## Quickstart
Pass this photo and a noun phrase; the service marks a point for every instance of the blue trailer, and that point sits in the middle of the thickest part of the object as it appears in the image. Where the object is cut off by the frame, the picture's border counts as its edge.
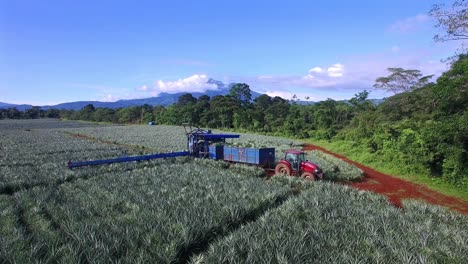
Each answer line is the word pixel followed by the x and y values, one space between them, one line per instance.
pixel 264 157
pixel 216 152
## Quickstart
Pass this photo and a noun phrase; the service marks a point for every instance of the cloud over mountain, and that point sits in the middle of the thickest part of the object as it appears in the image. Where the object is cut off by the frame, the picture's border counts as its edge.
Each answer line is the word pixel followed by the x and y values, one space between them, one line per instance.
pixel 194 83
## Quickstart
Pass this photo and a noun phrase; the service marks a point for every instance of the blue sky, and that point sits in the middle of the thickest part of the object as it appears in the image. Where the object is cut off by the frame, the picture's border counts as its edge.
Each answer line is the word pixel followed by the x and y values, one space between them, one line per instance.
pixel 60 51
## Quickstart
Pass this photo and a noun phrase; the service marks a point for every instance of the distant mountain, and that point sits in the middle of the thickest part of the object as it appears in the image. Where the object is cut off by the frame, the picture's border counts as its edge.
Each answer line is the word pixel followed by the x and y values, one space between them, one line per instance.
pixel 374 101
pixel 21 107
pixel 163 99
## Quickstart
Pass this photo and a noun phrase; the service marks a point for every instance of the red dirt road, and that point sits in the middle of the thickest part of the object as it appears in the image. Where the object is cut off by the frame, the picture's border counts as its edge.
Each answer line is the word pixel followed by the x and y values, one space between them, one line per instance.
pixel 397 189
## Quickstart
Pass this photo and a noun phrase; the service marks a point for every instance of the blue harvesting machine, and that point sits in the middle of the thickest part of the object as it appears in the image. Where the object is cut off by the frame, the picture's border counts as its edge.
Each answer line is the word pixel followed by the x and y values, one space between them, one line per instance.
pixel 198 145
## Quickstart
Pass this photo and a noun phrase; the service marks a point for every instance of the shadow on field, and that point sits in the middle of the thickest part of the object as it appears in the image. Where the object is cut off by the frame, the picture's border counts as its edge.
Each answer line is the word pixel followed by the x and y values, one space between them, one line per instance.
pixel 202 243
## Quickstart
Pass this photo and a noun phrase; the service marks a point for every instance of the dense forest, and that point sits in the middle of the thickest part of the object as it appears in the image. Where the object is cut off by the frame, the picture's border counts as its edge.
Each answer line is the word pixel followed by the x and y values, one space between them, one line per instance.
pixel 423 128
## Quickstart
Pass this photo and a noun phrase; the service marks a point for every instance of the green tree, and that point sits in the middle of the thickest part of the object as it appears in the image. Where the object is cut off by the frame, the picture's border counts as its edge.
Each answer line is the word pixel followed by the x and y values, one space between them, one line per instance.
pixel 103 114
pixel 186 99
pixel 413 105
pixel 129 115
pixel 87 112
pixel 67 114
pixel 401 80
pixel 360 102
pixel 223 109
pixel 13 113
pixel 451 90
pixel 33 112
pixel 241 93
pixel 276 115
pixel 185 107
pixel 261 104
pixel 52 113
pixel 201 110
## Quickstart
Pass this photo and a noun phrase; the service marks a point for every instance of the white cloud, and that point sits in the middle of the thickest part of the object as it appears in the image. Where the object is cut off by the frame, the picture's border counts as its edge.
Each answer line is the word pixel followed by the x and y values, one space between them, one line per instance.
pixel 282 94
pixel 280 85
pixel 336 70
pixel 109 98
pixel 143 88
pixel 120 94
pixel 316 70
pixel 343 80
pixel 194 83
pixel 409 24
pixel 265 77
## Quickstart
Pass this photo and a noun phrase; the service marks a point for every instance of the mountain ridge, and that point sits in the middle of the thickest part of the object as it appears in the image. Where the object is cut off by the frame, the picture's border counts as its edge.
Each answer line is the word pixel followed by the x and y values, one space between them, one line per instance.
pixel 163 99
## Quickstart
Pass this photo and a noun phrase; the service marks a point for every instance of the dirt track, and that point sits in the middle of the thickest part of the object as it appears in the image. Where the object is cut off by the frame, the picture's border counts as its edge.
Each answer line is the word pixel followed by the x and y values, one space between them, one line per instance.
pixel 397 189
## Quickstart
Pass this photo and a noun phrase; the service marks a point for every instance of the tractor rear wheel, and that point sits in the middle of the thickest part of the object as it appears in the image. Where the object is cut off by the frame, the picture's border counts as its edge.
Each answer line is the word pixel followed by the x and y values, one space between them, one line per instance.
pixel 282 169
pixel 308 176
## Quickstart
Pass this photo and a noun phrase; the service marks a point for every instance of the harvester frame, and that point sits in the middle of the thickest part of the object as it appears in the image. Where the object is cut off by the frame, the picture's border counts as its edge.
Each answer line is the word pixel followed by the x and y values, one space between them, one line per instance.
pixel 203 143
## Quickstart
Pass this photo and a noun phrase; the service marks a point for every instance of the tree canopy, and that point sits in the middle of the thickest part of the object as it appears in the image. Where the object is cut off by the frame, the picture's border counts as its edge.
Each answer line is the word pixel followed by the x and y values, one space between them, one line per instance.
pixel 453 21
pixel 401 80
pixel 241 93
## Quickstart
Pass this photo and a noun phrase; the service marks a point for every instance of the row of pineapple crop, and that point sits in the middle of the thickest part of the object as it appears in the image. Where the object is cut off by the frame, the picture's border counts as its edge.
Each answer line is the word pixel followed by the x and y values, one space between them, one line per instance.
pixel 31 124
pixel 331 223
pixel 163 213
pixel 154 138
pixel 155 214
pixel 334 168
pixel 39 156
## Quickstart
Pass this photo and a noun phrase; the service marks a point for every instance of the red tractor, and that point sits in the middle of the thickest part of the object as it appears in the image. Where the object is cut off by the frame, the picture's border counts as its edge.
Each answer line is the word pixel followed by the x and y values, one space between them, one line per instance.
pixel 295 164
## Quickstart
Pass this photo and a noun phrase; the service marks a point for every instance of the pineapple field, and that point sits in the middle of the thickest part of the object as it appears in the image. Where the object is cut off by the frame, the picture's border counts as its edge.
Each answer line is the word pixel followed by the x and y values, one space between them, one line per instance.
pixel 187 210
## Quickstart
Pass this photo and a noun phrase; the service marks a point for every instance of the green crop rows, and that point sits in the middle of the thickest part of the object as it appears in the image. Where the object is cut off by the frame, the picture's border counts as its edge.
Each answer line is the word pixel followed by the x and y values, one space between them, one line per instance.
pixel 183 210
pixel 154 214
pixel 154 138
pixel 330 223
pixel 39 156
pixel 334 168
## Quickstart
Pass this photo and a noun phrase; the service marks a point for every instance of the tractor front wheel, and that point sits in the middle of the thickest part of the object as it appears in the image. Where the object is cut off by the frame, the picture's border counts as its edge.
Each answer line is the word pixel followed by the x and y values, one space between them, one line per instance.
pixel 308 176
pixel 282 169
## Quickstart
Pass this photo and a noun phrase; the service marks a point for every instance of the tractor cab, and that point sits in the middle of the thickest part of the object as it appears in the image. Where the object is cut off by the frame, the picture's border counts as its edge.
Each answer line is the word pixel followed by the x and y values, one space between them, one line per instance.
pixel 295 164
pixel 295 158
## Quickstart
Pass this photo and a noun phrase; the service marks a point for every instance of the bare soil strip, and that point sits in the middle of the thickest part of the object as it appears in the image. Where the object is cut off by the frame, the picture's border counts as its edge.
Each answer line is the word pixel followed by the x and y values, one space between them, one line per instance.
pixel 397 189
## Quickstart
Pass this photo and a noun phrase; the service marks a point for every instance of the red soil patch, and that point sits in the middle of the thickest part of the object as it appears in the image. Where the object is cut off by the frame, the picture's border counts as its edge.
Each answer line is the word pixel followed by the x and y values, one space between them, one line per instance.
pixel 397 189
